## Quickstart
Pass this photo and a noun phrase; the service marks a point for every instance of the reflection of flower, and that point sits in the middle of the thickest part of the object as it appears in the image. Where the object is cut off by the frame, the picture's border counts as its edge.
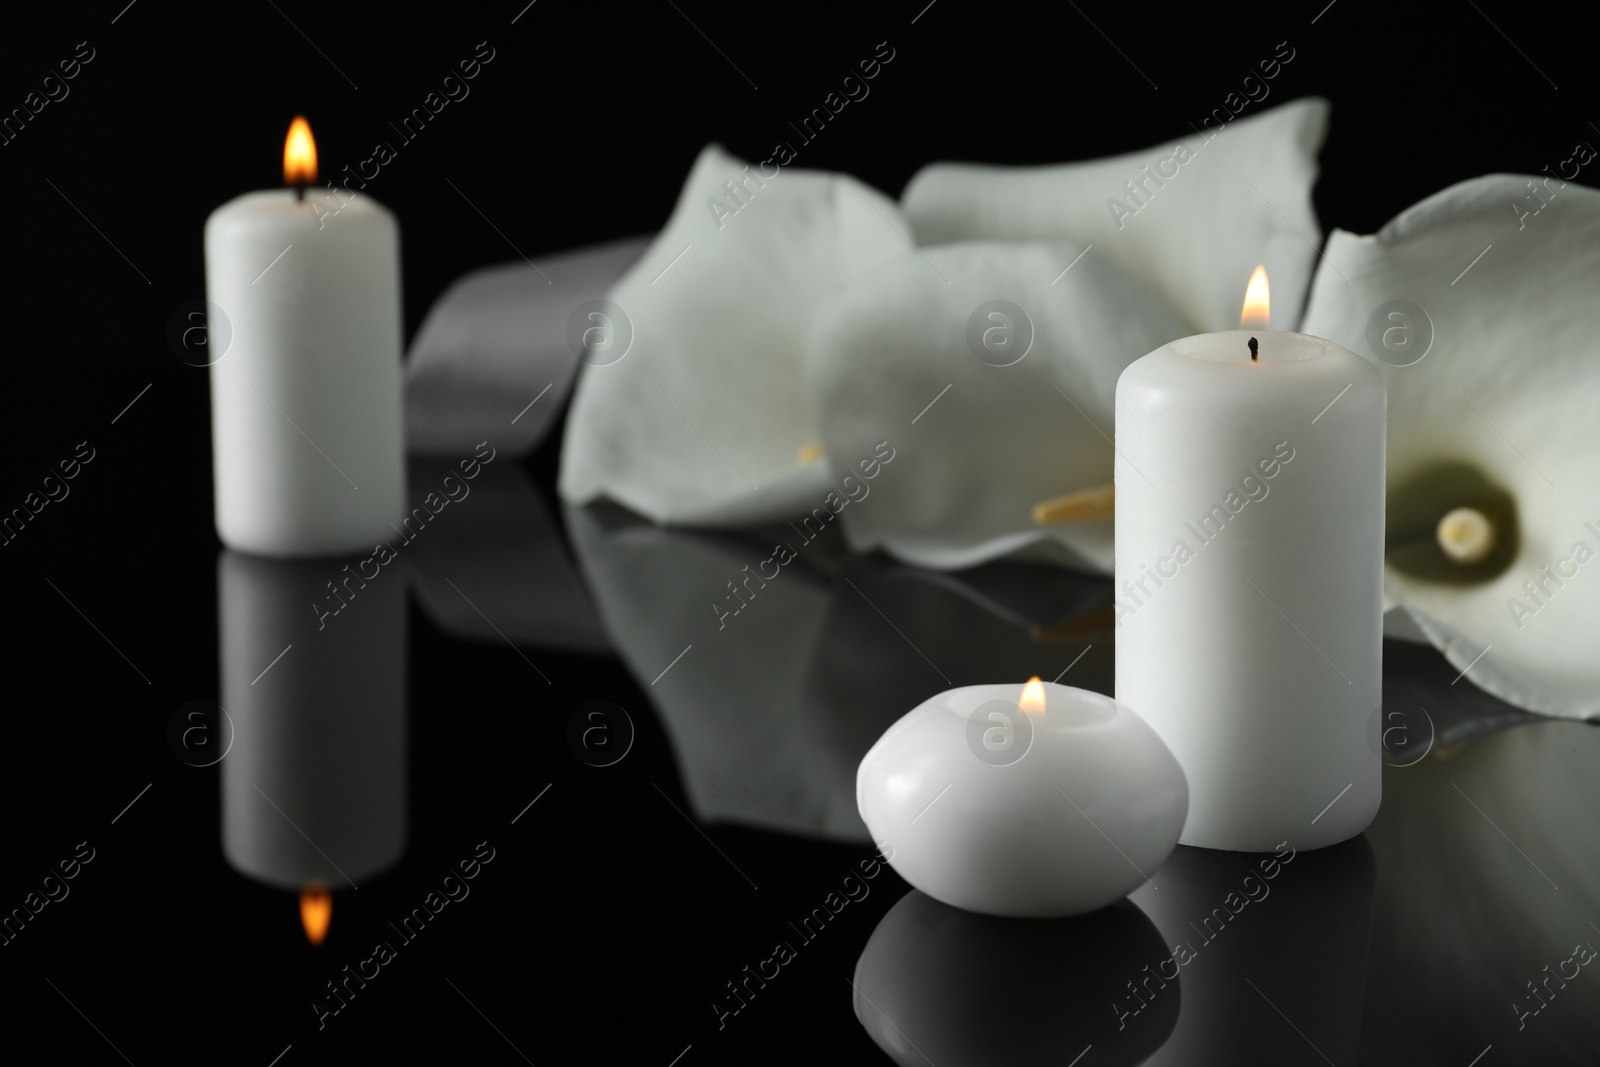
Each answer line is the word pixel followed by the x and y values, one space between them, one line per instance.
pixel 1497 418
pixel 1446 868
pixel 769 715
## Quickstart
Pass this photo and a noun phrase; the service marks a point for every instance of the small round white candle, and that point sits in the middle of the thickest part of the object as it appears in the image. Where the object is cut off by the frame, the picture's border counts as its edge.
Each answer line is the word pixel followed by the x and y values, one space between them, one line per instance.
pixel 986 801
pixel 307 452
pixel 1249 571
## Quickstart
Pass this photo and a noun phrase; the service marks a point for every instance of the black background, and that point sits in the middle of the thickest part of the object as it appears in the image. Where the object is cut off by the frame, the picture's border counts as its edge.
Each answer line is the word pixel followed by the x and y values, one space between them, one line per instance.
pixel 604 924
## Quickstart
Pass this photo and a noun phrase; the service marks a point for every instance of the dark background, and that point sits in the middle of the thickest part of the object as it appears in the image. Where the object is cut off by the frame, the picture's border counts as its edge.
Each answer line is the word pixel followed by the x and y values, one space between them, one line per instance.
pixel 603 925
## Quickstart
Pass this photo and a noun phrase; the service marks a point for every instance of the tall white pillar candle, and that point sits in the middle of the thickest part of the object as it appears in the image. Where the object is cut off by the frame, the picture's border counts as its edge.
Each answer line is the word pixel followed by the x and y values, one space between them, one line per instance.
pixel 1249 563
pixel 307 451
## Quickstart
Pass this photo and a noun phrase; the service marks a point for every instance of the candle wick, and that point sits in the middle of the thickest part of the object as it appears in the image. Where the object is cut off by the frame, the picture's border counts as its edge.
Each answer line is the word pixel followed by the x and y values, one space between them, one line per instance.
pixel 299 191
pixel 1253 347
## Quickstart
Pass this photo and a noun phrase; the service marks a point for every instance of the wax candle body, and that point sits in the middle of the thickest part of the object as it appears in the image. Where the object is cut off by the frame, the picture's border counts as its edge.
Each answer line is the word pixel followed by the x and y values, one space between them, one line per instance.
pixel 1249 570
pixel 307 451
pixel 1039 814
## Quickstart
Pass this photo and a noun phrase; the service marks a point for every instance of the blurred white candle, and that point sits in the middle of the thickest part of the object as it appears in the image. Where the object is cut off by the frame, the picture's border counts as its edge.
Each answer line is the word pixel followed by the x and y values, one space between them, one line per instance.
pixel 307 451
pixel 1249 570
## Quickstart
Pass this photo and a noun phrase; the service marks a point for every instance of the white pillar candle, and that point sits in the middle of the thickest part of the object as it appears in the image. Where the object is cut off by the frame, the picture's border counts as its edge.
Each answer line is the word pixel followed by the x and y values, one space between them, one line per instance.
pixel 1034 801
pixel 1249 571
pixel 307 451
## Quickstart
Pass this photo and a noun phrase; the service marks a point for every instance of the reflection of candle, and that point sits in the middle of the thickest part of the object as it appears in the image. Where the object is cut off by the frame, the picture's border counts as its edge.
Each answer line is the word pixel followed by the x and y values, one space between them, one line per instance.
pixel 305 401
pixel 926 985
pixel 316 911
pixel 313 789
pixel 1249 568
pixel 1037 801
pixel 1293 925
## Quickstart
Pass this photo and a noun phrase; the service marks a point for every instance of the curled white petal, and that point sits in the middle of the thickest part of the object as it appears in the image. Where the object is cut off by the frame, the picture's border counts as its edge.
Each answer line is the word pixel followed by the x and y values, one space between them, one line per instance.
pixel 700 422
pixel 992 369
pixel 1190 217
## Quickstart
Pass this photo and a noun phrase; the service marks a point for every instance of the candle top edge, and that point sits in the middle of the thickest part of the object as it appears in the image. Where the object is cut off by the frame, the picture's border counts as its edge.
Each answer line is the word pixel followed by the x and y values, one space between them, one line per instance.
pixel 1065 706
pixel 318 203
pixel 1233 347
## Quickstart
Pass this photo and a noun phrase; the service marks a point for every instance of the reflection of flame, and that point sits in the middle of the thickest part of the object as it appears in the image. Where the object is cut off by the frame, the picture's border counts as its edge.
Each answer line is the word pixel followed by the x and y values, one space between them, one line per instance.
pixel 1257 302
pixel 1032 698
pixel 299 154
pixel 316 912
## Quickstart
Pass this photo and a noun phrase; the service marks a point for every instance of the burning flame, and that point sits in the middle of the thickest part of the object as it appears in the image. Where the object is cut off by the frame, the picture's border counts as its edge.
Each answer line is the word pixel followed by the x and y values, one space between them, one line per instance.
pixel 316 911
pixel 299 154
pixel 1032 698
pixel 1257 302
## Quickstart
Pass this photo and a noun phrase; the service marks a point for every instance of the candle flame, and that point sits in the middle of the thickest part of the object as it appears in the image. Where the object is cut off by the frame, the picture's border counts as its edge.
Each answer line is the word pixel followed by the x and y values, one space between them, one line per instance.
pixel 1257 302
pixel 299 154
pixel 316 911
pixel 1032 698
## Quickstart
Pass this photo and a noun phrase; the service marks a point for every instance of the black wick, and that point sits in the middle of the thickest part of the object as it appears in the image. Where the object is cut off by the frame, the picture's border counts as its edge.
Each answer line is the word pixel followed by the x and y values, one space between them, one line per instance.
pixel 1253 347
pixel 300 194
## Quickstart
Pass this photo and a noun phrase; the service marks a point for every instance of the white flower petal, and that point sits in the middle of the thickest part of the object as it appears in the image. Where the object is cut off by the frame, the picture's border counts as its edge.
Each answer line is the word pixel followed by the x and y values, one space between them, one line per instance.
pixel 1243 199
pixel 1509 387
pixel 1400 624
pixel 978 444
pixel 703 419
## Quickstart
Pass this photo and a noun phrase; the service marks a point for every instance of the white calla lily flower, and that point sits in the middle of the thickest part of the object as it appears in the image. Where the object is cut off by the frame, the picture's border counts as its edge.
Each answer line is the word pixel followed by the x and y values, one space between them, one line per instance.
pixel 1478 306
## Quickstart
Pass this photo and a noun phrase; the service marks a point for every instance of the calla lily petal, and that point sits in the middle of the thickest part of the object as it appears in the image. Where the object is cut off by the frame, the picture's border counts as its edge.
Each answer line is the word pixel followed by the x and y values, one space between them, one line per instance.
pixel 991 370
pixel 1478 306
pixel 1189 218
pixel 703 415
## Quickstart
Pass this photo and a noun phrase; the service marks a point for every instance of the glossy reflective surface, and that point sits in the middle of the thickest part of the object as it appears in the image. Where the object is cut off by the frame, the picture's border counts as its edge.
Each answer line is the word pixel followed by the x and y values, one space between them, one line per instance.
pixel 537 804
pixel 538 798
